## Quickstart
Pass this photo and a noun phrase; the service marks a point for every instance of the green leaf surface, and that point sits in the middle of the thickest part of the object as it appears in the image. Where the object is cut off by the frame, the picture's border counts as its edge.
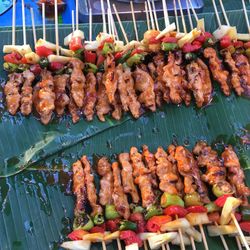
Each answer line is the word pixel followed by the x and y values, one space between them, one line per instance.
pixel 36 206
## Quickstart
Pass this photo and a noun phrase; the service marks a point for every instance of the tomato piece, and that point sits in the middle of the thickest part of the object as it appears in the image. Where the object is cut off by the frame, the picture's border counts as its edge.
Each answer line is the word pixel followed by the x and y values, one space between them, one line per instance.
pixel 197 209
pixel 169 39
pixel 77 234
pixel 247 45
pixel 54 66
pixel 75 43
pixel 202 38
pixel 238 44
pixel 130 237
pixel 14 58
pixel 214 217
pixel 100 60
pixel 174 210
pixel 245 226
pixel 225 42
pixel 208 35
pixel 221 200
pixel 188 47
pixel 153 40
pixel 238 216
pixel 155 222
pixel 112 225
pixel 136 51
pixel 90 57
pixel 35 69
pixel 97 229
pixel 138 218
pixel 43 51
pixel 107 40
pixel 118 55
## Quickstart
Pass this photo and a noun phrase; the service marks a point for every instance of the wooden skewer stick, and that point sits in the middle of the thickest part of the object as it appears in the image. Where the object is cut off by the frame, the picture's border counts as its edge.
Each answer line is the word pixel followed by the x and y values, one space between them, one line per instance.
pixel 155 15
pixel 14 23
pixel 114 28
pixel 222 239
pixel 165 11
pixel 134 20
pixel 24 23
pixel 151 15
pixel 43 17
pixel 193 10
pixel 103 17
pixel 90 24
pixel 120 23
pixel 181 236
pixel 176 17
pixel 238 242
pixel 182 17
pixel 168 247
pixel 33 25
pixel 109 18
pixel 216 13
pixel 56 28
pixel 204 239
pixel 246 16
pixel 119 245
pixel 147 16
pixel 77 14
pixel 240 231
pixel 73 20
pixel 104 245
pixel 192 242
pixel 189 16
pixel 145 245
pixel 224 13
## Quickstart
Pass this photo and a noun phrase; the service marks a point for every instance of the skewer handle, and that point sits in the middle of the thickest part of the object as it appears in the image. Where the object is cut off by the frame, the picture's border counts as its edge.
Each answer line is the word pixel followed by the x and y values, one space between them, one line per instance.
pixel 193 10
pixel 103 17
pixel 14 23
pixel 90 24
pixel 203 237
pixel 147 15
pixel 33 24
pixel 43 17
pixel 224 12
pixel 24 23
pixel 77 14
pixel 145 245
pixel 134 21
pixel 216 13
pixel 192 243
pixel 56 28
pixel 73 20
pixel 246 16
pixel 222 239
pixel 119 245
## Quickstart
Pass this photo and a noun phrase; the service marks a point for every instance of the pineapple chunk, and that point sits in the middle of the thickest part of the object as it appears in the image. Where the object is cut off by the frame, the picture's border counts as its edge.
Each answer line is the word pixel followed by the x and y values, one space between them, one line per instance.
pixel 77 245
pixel 156 241
pixel 67 52
pixel 21 49
pixel 221 230
pixel 94 237
pixel 189 38
pixel 76 33
pixel 243 37
pixel 48 45
pixel 225 30
pixel 60 59
pixel 32 58
pixel 168 29
pixel 177 240
pixel 145 236
pixel 197 218
pixel 191 231
pixel 174 225
pixel 201 24
pixel 112 236
pixel 133 246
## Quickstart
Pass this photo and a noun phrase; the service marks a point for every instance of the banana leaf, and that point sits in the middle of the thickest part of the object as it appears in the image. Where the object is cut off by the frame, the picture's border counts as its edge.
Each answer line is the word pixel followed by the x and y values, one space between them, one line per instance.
pixel 36 205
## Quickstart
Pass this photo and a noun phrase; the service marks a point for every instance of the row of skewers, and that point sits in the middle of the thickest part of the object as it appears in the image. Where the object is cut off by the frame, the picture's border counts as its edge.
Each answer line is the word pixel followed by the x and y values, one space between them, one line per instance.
pixel 166 66
pixel 159 198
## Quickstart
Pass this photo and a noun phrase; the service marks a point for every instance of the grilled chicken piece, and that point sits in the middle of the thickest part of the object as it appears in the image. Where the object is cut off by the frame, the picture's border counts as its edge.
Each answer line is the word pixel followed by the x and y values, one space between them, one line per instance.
pixel 188 168
pixel 219 73
pixel 103 106
pixel 127 92
pixel 117 107
pixel 44 97
pixel 235 73
pixel 79 188
pixel 106 182
pixel 174 78
pixel 199 83
pixel 12 92
pixel 90 97
pixel 110 78
pixel 74 110
pixel 235 173
pixel 62 99
pixel 127 177
pixel 243 65
pixel 26 94
pixel 143 178
pixel 119 197
pixel 164 170
pixel 77 82
pixel 145 85
pixel 90 186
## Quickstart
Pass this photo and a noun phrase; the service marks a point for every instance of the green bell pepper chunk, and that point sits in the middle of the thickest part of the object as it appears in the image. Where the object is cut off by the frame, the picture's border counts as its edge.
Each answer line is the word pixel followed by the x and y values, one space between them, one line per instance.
pixel 44 62
pixel 128 225
pixel 245 212
pixel 152 211
pixel 212 207
pixel 98 219
pixel 22 67
pixel 111 213
pixel 90 67
pixel 135 59
pixel 171 199
pixel 222 188
pixel 10 67
pixel 192 200
pixel 190 56
pixel 124 57
pixel 108 48
pixel 136 209
pixel 169 46
pixel 82 221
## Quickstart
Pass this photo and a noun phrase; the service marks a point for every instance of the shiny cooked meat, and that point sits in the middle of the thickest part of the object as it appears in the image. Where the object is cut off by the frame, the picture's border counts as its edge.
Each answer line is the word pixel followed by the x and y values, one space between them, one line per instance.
pixel 12 92
pixel 219 73
pixel 62 99
pixel 90 96
pixel 90 186
pixel 126 87
pixel 74 110
pixel 188 168
pixel 107 181
pixel 77 82
pixel 127 177
pixel 79 188
pixel 119 197
pixel 26 93
pixel 234 72
pixel 117 108
pixel 144 84
pixel 44 97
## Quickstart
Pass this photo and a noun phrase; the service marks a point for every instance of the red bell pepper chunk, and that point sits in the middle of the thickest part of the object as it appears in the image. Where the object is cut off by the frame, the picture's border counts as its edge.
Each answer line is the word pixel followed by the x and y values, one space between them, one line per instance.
pixel 153 40
pixel 225 42
pixel 221 200
pixel 214 217
pixel 112 225
pixel 136 51
pixel 245 226
pixel 100 60
pixel 43 51
pixel 175 211
pixel 247 45
pixel 238 216
pixel 238 44
pixel 130 237
pixel 54 66
pixel 197 209
pixel 77 234
pixel 155 222
pixel 75 43
pixel 97 229
pixel 90 57
pixel 169 39
pixel 14 58
pixel 208 35
pixel 138 218
pixel 118 55
pixel 107 40
pixel 188 47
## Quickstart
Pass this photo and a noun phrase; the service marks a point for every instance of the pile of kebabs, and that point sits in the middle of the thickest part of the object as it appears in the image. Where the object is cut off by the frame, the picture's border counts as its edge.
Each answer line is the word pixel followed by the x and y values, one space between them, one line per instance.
pixel 143 196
